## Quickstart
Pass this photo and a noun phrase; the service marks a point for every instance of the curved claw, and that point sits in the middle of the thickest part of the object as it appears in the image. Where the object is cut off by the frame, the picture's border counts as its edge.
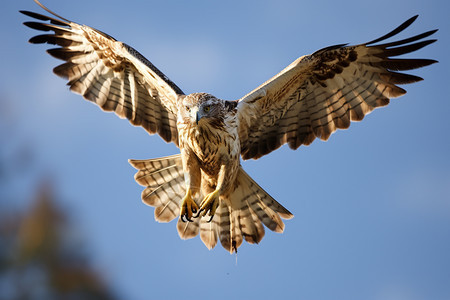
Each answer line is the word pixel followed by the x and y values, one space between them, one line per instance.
pixel 198 213
pixel 187 219
pixel 188 207
pixel 209 204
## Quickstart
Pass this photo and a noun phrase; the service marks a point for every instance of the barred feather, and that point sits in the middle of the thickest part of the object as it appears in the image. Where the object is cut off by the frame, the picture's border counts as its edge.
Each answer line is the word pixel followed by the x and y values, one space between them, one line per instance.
pixel 239 216
pixel 320 93
pixel 111 74
pixel 250 207
pixel 164 182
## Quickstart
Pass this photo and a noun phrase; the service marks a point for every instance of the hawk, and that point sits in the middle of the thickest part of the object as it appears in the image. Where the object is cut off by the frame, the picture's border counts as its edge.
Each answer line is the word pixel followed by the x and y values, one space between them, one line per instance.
pixel 205 186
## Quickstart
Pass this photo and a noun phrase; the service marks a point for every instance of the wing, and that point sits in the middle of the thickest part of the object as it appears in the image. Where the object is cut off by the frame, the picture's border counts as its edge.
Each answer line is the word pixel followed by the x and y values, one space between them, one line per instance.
pixel 322 92
pixel 111 74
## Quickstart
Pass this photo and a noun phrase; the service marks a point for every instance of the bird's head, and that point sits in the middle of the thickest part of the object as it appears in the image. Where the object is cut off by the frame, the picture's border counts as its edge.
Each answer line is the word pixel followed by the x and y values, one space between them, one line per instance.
pixel 201 108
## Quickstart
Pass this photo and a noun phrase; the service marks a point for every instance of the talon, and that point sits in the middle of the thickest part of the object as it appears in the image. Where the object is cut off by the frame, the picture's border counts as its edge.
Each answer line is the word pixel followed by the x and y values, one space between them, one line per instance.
pixel 188 207
pixel 210 219
pixel 209 204
pixel 185 219
pixel 198 213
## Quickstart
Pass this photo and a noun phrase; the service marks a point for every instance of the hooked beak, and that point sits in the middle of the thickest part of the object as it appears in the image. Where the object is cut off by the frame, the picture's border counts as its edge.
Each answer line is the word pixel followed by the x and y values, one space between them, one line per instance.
pixel 197 117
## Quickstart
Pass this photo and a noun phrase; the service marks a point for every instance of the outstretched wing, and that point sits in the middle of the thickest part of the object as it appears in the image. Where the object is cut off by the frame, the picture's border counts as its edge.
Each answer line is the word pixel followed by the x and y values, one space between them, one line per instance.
pixel 322 92
pixel 111 74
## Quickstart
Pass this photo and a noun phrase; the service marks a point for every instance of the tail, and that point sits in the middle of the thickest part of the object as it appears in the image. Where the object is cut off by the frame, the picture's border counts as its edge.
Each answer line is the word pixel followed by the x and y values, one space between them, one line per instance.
pixel 239 216
pixel 165 188
pixel 251 206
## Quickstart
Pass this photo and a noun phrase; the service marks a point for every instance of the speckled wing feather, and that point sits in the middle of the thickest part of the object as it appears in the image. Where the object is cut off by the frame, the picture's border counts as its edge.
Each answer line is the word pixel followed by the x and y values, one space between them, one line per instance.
pixel 322 92
pixel 111 74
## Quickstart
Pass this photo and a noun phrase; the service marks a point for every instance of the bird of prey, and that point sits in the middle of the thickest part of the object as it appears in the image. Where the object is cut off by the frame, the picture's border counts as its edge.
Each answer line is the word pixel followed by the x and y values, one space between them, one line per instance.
pixel 205 186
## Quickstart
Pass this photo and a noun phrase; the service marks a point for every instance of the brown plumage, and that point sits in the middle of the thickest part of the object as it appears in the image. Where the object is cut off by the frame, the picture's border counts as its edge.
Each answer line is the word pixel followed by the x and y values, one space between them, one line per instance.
pixel 205 186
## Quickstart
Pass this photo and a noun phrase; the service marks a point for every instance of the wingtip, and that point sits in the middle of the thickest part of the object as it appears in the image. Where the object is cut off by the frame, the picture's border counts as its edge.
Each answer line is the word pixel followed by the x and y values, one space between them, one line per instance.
pixel 431 32
pixel 413 18
pixel 396 31
pixel 35 25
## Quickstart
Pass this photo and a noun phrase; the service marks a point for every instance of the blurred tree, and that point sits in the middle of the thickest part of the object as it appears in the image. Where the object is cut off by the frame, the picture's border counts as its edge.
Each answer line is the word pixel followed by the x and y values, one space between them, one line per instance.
pixel 41 258
pixel 41 255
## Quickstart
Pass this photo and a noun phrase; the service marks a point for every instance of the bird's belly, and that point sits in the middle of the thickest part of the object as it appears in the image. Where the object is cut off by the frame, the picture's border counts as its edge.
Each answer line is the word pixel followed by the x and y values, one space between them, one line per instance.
pixel 210 156
pixel 214 150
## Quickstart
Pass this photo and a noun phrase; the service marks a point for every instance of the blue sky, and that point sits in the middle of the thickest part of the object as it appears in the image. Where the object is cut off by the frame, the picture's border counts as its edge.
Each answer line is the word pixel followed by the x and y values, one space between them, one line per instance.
pixel 371 205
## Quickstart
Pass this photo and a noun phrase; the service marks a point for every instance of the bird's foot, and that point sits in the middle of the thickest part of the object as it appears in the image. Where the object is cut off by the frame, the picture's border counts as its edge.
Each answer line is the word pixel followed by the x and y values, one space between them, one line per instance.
pixel 188 207
pixel 209 204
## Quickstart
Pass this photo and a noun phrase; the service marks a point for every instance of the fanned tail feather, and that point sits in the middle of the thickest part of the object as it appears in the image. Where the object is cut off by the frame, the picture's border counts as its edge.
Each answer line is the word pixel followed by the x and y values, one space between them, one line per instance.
pixel 165 188
pixel 209 231
pixel 250 207
pixel 240 215
pixel 164 182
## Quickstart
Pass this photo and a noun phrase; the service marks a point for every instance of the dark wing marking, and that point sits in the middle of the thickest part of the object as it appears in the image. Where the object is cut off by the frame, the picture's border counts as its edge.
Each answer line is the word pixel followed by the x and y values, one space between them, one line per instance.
pixel 111 74
pixel 322 92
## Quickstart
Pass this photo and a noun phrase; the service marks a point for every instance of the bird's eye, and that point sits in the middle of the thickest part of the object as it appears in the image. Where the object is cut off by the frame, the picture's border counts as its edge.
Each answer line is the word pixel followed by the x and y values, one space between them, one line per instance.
pixel 206 108
pixel 187 108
